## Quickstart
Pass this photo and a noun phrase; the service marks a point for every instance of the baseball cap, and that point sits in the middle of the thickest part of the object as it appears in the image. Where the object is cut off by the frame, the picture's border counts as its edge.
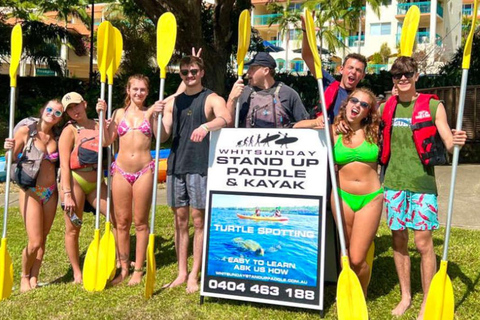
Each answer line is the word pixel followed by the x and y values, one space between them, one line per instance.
pixel 71 97
pixel 262 59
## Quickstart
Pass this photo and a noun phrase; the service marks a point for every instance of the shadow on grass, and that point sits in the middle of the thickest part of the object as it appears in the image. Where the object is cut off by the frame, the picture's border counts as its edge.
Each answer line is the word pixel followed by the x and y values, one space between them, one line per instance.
pixel 68 276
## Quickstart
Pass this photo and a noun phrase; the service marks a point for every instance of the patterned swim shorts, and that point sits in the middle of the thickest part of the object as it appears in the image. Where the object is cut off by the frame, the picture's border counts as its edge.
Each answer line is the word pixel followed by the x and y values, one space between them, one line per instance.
pixel 406 209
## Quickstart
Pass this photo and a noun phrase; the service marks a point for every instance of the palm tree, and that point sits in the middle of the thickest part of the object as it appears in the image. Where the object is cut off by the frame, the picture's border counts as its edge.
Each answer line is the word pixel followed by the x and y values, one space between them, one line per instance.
pixel 286 18
pixel 67 9
pixel 336 18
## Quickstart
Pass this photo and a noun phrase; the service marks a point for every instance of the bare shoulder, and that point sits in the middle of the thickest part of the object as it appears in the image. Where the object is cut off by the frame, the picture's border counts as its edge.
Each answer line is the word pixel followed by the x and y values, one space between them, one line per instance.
pixel 214 99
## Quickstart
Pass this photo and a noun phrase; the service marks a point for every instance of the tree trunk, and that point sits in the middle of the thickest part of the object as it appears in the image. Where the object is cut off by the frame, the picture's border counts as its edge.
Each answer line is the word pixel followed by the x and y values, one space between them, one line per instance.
pixel 216 47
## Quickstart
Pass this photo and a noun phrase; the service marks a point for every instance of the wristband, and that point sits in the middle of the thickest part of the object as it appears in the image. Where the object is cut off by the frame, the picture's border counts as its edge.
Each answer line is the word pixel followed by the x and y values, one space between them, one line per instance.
pixel 205 127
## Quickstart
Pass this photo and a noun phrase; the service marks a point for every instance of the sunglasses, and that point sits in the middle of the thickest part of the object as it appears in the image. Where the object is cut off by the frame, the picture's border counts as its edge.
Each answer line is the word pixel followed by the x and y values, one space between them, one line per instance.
pixel 56 113
pixel 363 104
pixel 398 76
pixel 185 72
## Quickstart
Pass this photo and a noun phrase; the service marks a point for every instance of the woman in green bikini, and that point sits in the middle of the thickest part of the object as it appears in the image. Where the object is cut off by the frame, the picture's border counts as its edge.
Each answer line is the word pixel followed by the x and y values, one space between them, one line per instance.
pixel 360 191
pixel 78 147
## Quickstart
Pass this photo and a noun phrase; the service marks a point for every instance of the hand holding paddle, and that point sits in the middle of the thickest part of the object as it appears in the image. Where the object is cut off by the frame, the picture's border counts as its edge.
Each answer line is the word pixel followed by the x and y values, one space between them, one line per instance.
pixel 6 266
pixel 440 302
pixel 166 37
pixel 244 31
pixel 94 273
pixel 350 299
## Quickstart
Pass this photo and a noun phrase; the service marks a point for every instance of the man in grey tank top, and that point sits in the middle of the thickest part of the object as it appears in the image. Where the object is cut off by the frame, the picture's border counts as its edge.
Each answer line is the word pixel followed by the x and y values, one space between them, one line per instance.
pixel 188 118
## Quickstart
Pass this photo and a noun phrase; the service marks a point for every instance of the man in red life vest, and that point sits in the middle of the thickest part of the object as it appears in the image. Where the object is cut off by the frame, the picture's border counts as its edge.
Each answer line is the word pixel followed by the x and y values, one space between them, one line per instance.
pixel 410 188
pixel 352 70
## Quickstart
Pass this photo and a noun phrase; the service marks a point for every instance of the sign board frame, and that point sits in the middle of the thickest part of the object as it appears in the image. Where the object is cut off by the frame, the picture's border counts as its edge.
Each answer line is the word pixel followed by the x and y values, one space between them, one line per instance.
pixel 260 259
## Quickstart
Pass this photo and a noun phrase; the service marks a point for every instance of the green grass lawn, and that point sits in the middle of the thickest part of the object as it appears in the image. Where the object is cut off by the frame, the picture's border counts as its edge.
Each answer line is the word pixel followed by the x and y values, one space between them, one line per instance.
pixel 60 299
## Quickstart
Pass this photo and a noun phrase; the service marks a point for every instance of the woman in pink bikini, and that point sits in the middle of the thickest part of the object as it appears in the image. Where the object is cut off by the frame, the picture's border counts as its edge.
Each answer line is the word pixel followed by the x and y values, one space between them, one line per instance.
pixel 39 203
pixel 132 172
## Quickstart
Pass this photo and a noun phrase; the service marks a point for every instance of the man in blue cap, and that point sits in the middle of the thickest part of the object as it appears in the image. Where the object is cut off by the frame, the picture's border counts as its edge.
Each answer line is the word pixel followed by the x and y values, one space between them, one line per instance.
pixel 264 102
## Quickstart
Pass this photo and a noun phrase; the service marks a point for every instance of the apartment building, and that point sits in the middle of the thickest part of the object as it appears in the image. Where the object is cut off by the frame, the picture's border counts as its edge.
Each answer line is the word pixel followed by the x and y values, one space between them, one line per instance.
pixel 438 36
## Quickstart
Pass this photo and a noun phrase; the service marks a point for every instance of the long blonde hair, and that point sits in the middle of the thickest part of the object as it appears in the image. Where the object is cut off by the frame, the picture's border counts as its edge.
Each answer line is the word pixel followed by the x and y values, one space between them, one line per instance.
pixel 370 124
pixel 139 77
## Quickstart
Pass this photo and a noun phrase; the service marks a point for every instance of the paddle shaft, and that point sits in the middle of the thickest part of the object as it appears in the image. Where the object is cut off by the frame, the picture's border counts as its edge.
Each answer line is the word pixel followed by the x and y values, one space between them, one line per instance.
pixel 157 157
pixel 331 167
pixel 101 117
pixel 237 109
pixel 11 122
pixel 456 153
pixel 109 154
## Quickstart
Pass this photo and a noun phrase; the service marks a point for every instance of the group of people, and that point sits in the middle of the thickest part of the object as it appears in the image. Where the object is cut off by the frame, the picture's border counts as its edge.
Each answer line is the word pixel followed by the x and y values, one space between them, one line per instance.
pixel 408 189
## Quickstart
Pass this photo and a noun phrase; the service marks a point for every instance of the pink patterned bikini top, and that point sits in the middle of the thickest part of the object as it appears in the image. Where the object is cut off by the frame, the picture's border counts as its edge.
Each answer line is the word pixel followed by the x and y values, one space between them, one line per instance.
pixel 144 127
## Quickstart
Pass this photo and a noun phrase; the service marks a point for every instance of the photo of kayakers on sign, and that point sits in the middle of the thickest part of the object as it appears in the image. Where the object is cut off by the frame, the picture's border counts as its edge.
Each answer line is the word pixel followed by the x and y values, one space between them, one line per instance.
pixel 264 237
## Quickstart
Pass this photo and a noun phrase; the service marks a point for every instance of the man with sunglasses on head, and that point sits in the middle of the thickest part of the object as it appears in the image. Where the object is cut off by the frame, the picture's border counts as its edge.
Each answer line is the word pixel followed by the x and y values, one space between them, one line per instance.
pixel 414 136
pixel 189 117
pixel 264 102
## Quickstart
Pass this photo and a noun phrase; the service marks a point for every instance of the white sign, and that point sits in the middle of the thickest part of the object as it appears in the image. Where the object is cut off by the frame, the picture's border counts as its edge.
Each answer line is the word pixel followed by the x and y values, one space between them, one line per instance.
pixel 265 217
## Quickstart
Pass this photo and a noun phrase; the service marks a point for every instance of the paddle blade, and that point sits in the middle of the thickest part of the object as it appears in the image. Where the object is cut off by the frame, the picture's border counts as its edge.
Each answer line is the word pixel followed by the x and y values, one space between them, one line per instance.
pixel 409 31
pixel 107 252
pixel 166 37
pixel 105 46
pixel 6 271
pixel 312 42
pixel 369 259
pixel 468 44
pixel 244 31
pixel 351 303
pixel 94 276
pixel 16 53
pixel 116 56
pixel 151 267
pixel 440 301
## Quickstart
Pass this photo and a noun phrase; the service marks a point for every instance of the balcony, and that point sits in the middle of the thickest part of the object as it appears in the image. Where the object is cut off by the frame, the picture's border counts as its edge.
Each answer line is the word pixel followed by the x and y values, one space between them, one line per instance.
pixel 376 68
pixel 423 6
pixel 353 41
pixel 423 38
pixel 264 19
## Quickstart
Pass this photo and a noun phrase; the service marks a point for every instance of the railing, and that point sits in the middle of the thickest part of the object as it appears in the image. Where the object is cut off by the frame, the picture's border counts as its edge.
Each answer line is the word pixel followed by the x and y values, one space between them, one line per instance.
pixel 423 38
pixel 424 7
pixel 376 68
pixel 467 11
pixel 264 19
pixel 353 41
pixel 278 43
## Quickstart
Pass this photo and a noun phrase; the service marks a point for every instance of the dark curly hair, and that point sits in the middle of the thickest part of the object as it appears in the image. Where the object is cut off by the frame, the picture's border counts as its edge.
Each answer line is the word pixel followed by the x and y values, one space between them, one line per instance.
pixel 370 124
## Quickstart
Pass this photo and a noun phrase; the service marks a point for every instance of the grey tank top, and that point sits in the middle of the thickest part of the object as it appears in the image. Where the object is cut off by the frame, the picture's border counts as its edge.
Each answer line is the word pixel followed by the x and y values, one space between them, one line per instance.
pixel 187 156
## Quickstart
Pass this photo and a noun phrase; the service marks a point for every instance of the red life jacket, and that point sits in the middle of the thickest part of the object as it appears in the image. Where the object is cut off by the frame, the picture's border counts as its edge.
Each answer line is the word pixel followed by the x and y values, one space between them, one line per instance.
pixel 330 95
pixel 428 143
pixel 85 152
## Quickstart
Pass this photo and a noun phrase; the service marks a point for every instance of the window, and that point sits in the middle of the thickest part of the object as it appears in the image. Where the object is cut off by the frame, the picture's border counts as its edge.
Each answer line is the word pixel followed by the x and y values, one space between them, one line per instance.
pixel 380 29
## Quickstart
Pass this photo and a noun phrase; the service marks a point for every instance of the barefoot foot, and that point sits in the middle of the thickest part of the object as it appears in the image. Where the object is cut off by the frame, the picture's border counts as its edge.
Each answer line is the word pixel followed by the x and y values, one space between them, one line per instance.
pixel 120 278
pixel 136 277
pixel 192 284
pixel 175 283
pixel 422 311
pixel 25 283
pixel 33 282
pixel 77 278
pixel 401 308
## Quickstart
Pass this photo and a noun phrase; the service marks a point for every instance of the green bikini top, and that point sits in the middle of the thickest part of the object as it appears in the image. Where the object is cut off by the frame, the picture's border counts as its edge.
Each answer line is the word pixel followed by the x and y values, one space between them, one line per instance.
pixel 366 152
